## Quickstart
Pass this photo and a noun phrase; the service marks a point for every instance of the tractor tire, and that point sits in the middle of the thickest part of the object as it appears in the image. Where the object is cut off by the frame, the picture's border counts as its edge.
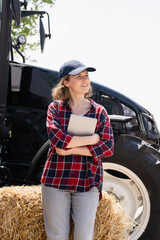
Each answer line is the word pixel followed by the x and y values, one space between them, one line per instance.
pixel 132 174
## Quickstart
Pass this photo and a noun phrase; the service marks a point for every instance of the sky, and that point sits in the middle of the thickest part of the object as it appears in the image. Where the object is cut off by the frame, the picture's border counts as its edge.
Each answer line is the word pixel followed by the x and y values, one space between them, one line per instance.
pixel 120 38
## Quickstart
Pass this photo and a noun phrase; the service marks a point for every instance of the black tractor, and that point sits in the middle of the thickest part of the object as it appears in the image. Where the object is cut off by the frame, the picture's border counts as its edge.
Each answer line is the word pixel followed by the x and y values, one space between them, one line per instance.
pixel 132 174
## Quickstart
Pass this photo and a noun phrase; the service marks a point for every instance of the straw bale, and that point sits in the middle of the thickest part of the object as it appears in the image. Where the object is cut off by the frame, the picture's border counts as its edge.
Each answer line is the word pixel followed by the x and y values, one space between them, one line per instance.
pixel 21 213
pixel 22 216
pixel 111 221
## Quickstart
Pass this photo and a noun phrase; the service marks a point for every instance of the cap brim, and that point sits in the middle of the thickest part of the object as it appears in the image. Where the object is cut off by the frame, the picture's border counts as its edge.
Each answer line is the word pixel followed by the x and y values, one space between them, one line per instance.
pixel 81 69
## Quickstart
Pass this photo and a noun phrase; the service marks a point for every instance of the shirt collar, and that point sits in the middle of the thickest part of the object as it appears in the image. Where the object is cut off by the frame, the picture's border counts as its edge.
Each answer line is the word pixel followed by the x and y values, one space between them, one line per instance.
pixel 64 104
pixel 93 103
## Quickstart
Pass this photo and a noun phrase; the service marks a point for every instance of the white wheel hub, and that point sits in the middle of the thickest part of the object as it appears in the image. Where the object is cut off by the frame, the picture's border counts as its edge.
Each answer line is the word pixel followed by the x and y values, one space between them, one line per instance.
pixel 131 192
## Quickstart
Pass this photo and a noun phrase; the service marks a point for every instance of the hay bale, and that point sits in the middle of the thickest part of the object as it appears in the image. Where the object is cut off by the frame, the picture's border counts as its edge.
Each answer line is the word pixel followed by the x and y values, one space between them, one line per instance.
pixel 21 213
pixel 22 216
pixel 111 221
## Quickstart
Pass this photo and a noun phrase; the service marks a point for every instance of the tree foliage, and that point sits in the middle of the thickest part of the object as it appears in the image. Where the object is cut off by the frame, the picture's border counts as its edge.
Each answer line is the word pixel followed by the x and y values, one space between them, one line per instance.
pixel 29 26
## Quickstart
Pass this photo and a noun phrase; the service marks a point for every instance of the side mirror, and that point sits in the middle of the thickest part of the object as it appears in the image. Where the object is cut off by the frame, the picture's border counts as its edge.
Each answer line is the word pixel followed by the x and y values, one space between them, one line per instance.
pixel 16 11
pixel 43 35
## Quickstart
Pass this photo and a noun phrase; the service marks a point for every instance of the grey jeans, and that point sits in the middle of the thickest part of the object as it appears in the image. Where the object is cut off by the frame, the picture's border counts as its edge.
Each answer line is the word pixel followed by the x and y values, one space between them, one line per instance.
pixel 59 204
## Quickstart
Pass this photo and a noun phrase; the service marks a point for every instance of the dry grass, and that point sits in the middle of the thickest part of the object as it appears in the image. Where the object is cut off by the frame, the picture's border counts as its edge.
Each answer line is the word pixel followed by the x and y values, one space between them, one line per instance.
pixel 22 217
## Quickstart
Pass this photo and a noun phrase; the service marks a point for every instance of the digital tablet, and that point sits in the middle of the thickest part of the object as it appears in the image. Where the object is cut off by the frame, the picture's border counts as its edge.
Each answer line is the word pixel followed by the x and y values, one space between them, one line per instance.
pixel 81 125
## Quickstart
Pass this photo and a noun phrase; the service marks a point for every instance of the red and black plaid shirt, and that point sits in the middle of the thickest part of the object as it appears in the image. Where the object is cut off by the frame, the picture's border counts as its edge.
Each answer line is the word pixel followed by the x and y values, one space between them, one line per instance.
pixel 76 172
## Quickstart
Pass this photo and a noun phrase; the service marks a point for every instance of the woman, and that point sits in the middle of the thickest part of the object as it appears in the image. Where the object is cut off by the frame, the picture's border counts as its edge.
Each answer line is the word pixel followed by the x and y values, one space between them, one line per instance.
pixel 73 175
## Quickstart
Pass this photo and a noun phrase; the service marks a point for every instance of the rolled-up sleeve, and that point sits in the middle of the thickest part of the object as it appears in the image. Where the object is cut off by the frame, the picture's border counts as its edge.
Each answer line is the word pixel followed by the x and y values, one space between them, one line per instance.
pixel 58 137
pixel 105 147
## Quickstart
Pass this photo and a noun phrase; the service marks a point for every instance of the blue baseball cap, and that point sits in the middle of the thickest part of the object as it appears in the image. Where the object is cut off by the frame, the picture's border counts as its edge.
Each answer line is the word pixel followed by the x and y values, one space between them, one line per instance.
pixel 73 67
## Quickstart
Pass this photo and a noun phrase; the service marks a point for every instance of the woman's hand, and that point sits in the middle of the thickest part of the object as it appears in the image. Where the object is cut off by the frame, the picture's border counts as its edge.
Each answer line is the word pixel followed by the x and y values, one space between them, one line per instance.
pixel 95 138
pixel 63 152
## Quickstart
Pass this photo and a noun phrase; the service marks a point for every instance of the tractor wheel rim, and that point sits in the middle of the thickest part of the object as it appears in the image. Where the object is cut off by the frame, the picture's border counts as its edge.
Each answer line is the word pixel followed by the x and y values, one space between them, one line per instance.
pixel 131 193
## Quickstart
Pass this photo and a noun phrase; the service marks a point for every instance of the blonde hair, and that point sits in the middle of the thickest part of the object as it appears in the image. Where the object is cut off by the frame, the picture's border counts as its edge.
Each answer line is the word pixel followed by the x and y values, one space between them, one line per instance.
pixel 61 92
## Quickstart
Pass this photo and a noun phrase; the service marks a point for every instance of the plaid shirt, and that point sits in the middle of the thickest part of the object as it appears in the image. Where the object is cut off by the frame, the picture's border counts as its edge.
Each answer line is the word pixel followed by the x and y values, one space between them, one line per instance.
pixel 76 172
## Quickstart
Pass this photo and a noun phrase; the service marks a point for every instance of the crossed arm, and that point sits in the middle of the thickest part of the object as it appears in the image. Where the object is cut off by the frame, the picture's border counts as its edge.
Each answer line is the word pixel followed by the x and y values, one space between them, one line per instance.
pixel 98 145
pixel 77 145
